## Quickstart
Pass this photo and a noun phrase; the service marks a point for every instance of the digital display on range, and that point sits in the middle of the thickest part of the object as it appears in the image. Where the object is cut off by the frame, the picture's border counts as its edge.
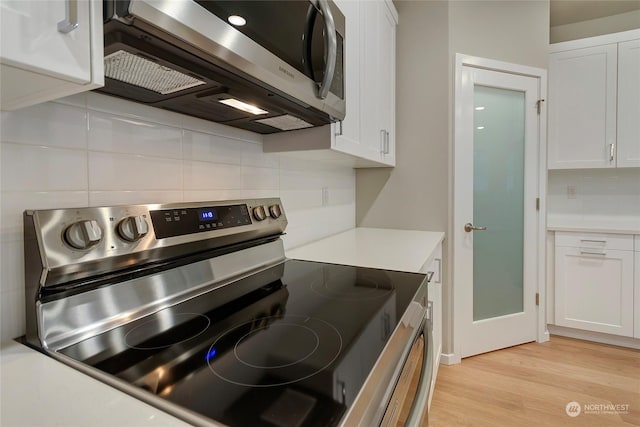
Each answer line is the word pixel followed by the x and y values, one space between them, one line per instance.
pixel 208 215
pixel 178 222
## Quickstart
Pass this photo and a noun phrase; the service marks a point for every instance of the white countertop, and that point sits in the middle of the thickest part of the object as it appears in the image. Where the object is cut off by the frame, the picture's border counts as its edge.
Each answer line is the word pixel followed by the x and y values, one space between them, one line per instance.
pixel 594 224
pixel 401 250
pixel 36 390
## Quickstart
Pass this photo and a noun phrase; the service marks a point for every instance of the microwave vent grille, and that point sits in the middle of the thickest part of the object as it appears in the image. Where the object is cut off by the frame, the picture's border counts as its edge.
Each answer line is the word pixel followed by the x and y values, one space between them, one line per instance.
pixel 138 71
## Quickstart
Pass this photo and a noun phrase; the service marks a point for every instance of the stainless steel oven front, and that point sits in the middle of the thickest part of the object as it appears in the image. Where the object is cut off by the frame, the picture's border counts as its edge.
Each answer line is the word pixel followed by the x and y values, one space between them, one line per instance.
pixel 193 308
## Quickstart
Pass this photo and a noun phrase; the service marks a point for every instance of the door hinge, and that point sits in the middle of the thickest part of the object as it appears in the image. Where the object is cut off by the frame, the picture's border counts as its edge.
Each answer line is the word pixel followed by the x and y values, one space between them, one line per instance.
pixel 537 203
pixel 539 105
pixel 537 298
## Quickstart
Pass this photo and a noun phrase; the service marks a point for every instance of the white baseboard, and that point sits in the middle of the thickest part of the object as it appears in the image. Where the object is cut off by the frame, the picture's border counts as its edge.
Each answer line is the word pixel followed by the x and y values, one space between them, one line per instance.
pixel 449 359
pixel 595 336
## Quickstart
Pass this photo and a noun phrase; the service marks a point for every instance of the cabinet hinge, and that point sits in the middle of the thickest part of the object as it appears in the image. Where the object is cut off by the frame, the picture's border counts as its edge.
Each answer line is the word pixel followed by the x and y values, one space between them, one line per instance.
pixel 537 298
pixel 539 105
pixel 537 203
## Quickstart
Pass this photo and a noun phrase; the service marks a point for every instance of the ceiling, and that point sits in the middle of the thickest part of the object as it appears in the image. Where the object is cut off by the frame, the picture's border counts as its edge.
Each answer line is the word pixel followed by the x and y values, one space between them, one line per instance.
pixel 570 11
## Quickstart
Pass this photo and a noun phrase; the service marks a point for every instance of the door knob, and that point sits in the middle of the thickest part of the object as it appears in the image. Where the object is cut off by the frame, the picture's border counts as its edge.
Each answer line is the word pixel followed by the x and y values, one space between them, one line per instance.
pixel 468 227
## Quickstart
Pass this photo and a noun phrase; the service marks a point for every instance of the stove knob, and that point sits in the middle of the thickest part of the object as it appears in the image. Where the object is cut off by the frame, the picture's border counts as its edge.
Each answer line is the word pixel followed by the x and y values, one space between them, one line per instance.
pixel 259 213
pixel 133 228
pixel 83 234
pixel 275 211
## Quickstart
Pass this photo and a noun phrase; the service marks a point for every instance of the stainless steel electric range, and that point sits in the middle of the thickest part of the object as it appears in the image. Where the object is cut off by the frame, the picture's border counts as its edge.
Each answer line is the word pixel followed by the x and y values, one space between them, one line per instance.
pixel 193 308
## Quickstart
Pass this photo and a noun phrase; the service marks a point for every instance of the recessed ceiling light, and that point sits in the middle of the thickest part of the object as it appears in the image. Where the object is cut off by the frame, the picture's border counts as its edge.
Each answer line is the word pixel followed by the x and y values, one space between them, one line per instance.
pixel 235 103
pixel 479 108
pixel 480 127
pixel 237 20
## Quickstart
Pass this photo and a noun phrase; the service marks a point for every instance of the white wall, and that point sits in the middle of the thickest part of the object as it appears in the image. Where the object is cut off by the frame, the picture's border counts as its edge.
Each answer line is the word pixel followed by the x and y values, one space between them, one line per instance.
pixel 92 150
pixel 594 197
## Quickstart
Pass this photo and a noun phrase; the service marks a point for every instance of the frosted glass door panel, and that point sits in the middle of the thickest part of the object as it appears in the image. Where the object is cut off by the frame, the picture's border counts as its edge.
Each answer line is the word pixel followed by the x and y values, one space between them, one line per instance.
pixel 498 202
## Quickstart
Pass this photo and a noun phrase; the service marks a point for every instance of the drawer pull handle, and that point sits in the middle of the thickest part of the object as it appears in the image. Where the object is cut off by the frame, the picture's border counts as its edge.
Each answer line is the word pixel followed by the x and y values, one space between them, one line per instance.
pixel 592 253
pixel 593 241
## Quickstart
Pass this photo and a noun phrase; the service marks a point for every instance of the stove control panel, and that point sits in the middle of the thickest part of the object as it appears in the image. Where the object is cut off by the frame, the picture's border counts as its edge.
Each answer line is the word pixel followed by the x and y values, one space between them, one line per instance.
pixel 178 222
pixel 79 242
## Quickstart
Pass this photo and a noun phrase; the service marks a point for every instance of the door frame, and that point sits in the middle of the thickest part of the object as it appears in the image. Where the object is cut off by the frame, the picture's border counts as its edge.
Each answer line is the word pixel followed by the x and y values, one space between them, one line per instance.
pixel 455 229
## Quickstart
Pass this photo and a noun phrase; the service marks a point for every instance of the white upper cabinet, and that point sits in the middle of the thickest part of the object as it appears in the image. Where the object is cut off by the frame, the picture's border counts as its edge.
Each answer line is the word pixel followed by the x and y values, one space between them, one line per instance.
pixel 582 107
pixel 377 80
pixel 49 49
pixel 594 93
pixel 629 104
pixel 366 136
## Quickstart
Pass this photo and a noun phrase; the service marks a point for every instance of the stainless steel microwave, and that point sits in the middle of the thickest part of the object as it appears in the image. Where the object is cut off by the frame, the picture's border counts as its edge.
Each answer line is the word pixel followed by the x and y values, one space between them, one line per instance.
pixel 264 66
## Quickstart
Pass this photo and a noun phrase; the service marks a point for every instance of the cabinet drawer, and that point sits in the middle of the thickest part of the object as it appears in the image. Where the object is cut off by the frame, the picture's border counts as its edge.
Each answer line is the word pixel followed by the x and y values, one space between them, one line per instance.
pixel 597 241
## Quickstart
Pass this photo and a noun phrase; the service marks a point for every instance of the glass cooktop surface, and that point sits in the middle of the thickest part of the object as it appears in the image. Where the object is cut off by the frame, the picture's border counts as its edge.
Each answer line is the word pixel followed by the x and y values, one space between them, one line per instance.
pixel 289 346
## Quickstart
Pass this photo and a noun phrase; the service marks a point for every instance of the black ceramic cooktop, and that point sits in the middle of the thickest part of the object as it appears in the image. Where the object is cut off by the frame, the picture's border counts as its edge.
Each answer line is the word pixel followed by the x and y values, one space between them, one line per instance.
pixel 290 346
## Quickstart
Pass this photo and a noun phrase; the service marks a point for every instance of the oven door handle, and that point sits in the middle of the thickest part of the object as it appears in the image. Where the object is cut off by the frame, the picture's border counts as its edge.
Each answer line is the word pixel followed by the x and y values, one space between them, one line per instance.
pixel 421 401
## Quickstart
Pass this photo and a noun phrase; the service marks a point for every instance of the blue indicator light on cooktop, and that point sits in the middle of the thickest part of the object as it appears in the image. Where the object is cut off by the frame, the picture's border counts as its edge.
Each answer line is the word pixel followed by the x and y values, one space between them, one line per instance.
pixel 211 354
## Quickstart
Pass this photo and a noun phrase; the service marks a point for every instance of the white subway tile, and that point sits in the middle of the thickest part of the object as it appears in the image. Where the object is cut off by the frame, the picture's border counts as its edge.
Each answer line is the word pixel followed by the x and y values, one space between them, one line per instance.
pixel 77 100
pixel 49 124
pixel 252 155
pixel 14 203
pixel 112 198
pixel 211 148
pixel 212 195
pixel 34 168
pixel 301 199
pixel 260 178
pixel 259 194
pixel 118 172
pixel 12 314
pixel 301 180
pixel 11 265
pixel 108 132
pixel 122 107
pixel 211 176
pixel 200 125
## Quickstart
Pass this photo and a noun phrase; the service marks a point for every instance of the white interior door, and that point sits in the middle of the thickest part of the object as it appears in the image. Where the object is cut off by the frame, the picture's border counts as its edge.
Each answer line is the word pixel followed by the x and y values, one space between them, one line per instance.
pixel 496 220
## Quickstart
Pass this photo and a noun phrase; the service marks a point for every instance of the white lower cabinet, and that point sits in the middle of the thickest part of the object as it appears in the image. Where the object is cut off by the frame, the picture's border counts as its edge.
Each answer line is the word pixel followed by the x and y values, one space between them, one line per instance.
pixel 435 312
pixel 594 283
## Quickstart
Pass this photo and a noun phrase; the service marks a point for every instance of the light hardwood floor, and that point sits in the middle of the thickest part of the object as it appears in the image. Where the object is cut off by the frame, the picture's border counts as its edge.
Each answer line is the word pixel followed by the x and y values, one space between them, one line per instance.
pixel 531 385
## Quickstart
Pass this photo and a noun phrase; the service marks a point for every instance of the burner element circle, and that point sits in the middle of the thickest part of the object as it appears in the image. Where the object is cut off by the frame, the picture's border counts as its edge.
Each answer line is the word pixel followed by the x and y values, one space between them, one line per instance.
pixel 164 329
pixel 280 351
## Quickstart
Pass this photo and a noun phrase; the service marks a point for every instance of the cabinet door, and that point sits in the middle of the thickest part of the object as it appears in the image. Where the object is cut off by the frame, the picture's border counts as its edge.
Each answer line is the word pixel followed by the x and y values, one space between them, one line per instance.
pixel 371 130
pixel 629 104
pixel 582 108
pixel 594 291
pixel 31 40
pixel 386 79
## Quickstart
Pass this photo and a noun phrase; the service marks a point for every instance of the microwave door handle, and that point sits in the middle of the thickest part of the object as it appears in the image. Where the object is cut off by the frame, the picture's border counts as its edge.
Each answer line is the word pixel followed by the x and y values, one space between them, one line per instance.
pixel 330 47
pixel 307 47
pixel 421 401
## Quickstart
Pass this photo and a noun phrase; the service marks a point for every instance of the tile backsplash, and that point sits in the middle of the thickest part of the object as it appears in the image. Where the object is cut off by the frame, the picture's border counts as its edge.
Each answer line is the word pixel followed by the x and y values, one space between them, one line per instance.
pixel 95 150
pixel 594 197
